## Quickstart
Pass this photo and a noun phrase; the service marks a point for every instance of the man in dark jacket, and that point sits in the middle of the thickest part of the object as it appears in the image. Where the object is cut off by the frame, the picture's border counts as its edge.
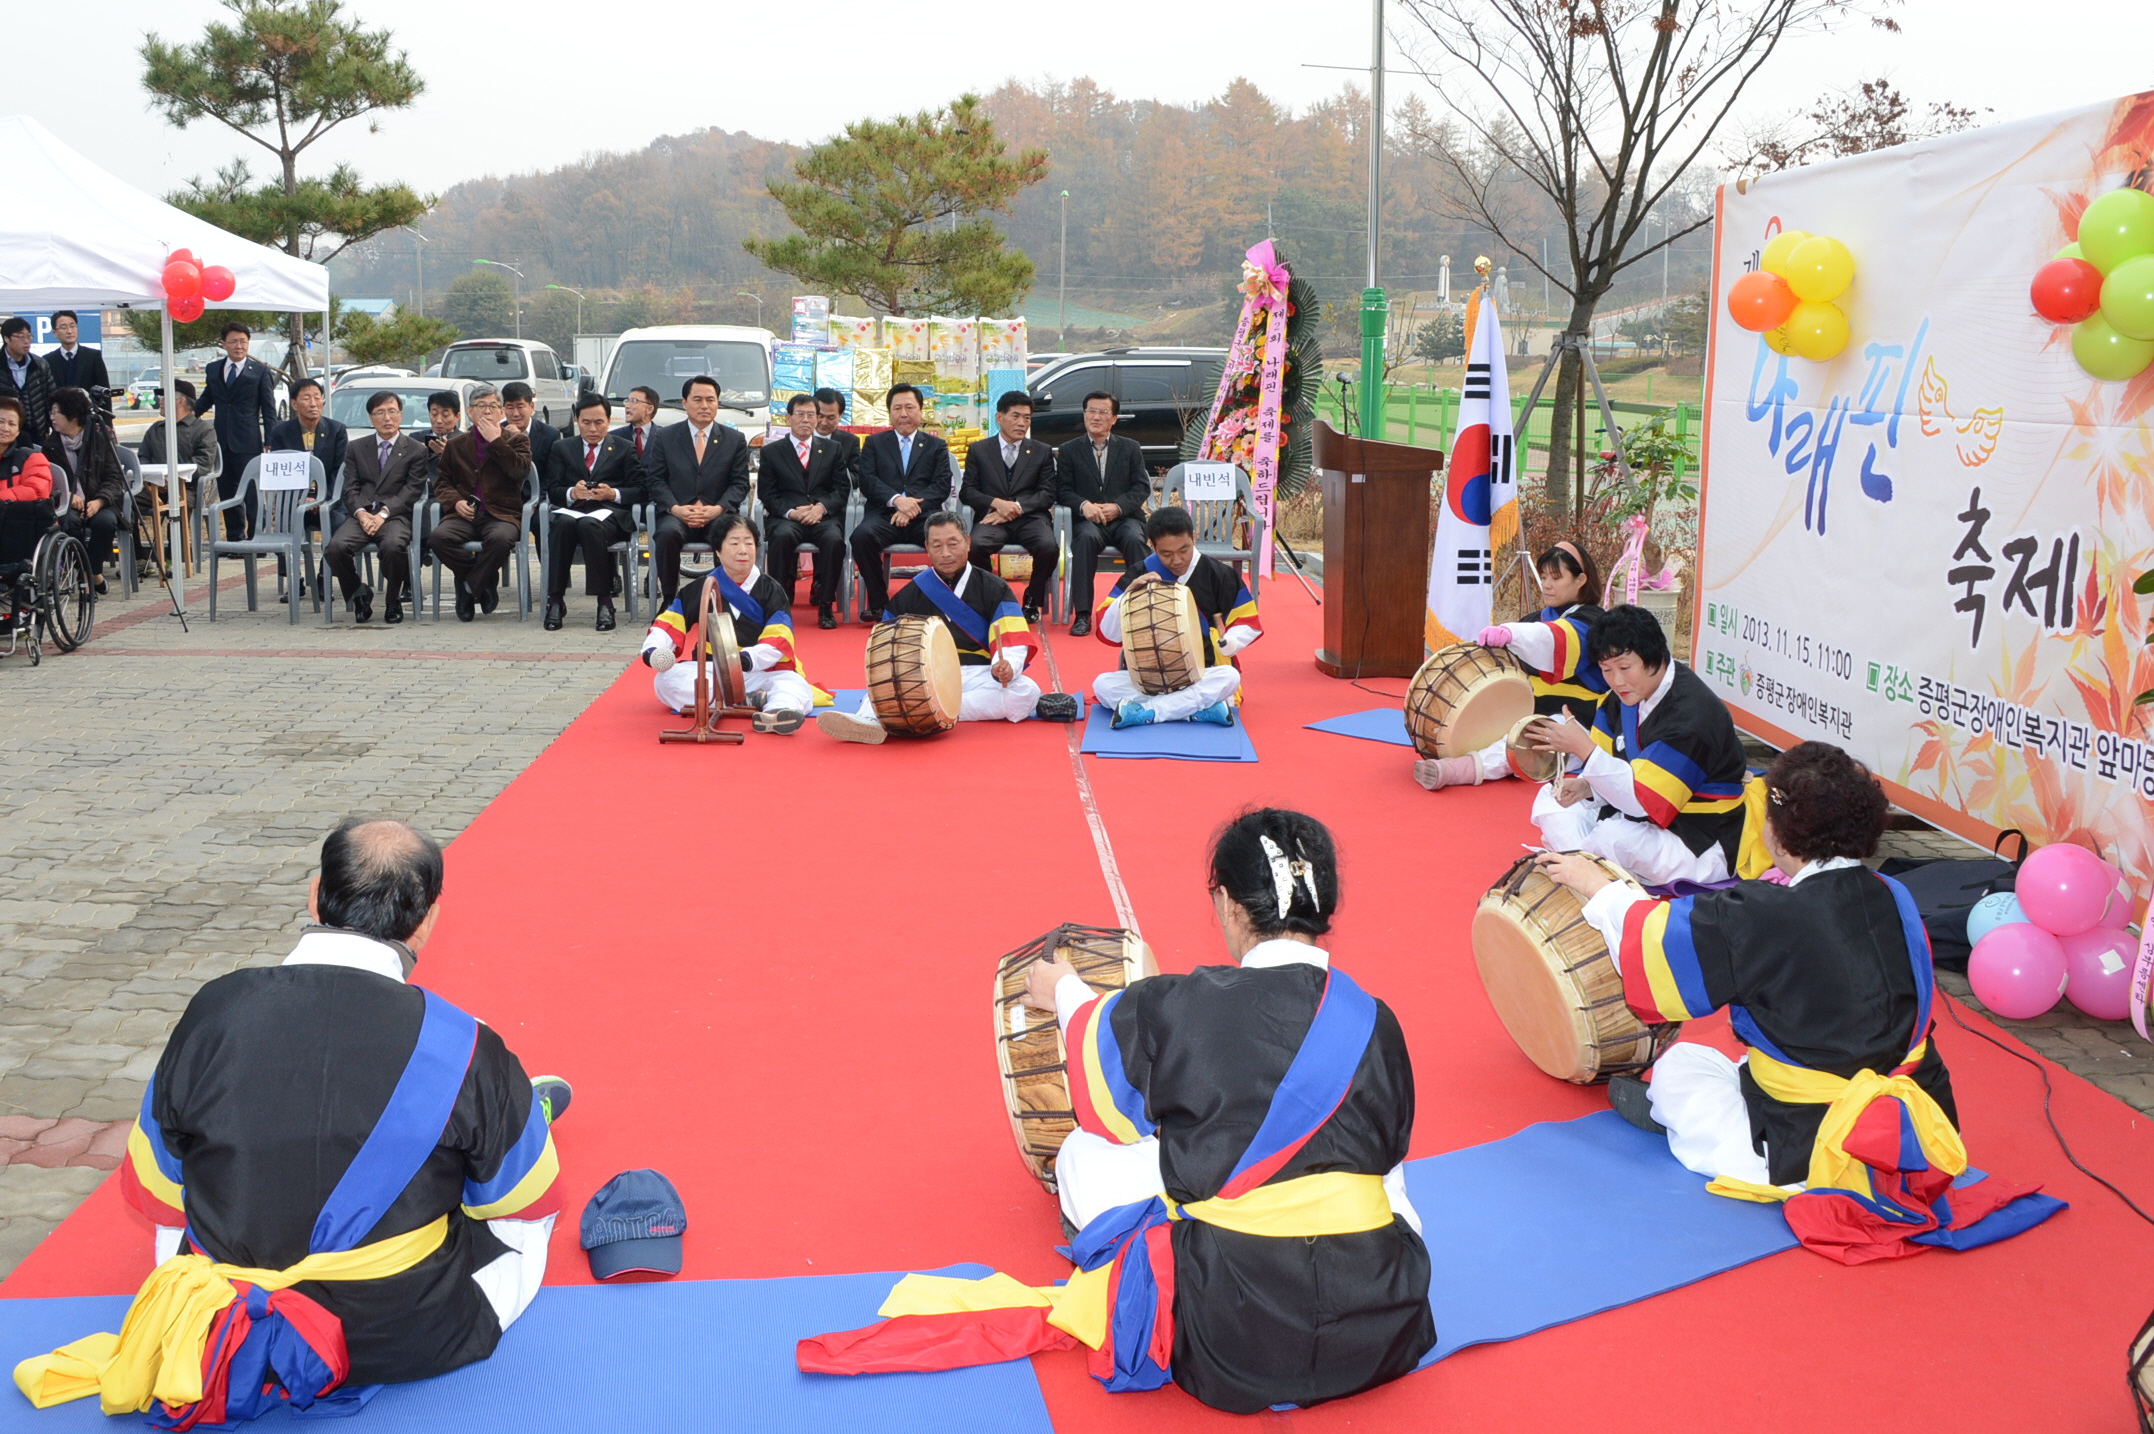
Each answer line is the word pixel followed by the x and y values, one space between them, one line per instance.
pixel 481 492
pixel 74 366
pixel 1010 487
pixel 243 394
pixel 803 486
pixel 1102 480
pixel 384 478
pixel 905 475
pixel 593 484
pixel 694 473
pixel 519 409
pixel 24 378
pixel 830 424
pixel 309 432
pixel 197 438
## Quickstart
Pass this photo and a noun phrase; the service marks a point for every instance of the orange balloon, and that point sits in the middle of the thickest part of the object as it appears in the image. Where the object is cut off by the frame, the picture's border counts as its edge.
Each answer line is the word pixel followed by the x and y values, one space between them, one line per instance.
pixel 1759 301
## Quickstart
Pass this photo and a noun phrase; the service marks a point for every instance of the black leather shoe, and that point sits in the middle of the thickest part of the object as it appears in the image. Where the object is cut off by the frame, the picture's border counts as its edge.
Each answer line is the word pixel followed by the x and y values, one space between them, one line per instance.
pixel 363 604
pixel 490 596
pixel 466 604
pixel 1630 1099
pixel 605 615
pixel 826 617
pixel 1081 625
pixel 394 612
pixel 556 612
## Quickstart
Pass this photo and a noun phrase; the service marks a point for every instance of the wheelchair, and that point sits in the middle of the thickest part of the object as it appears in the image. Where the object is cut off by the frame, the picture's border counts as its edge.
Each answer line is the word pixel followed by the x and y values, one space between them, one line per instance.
pixel 45 592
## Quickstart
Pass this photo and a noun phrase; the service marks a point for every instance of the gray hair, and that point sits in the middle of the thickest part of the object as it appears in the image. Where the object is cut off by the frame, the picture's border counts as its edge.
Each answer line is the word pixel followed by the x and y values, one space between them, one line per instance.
pixel 481 391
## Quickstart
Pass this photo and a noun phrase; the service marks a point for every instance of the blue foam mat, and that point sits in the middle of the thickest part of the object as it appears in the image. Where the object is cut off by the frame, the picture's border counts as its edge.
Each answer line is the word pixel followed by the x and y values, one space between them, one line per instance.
pixel 1569 1218
pixel 1189 741
pixel 847 699
pixel 692 1355
pixel 1377 724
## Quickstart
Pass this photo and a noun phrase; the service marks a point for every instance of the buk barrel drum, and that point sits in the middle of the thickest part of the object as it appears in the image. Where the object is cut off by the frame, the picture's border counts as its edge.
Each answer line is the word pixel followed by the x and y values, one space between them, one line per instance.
pixel 1526 761
pixel 1465 697
pixel 1028 1043
pixel 1162 638
pixel 1548 974
pixel 914 678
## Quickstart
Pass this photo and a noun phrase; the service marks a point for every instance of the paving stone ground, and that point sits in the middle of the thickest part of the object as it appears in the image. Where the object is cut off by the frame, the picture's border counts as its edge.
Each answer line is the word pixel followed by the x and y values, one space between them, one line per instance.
pixel 165 793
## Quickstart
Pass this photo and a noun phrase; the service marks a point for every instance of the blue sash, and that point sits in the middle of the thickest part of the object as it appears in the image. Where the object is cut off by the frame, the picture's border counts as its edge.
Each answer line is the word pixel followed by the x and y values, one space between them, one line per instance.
pixel 953 607
pixel 1153 565
pixel 736 597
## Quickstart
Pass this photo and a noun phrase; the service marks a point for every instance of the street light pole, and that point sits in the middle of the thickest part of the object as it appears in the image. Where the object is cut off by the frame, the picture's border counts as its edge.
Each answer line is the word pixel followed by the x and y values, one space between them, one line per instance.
pixel 418 259
pixel 1375 310
pixel 1062 299
pixel 516 290
pixel 579 302
pixel 744 294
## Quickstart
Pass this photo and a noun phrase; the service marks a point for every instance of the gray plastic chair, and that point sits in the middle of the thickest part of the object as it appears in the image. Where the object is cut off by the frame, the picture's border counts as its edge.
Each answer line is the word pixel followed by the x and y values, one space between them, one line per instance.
pixel 280 532
pixel 130 507
pixel 1214 518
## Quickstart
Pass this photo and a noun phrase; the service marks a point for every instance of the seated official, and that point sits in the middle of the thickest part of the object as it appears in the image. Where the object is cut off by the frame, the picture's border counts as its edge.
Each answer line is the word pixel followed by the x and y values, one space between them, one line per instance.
pixel 1102 479
pixel 384 479
pixel 480 486
pixel 1554 648
pixel 197 435
pixel 341 1167
pixel 1661 790
pixel 307 431
pixel 1010 487
pixel 993 641
pixel 87 464
pixel 1201 1088
pixel 762 628
pixel 905 475
pixel 1828 976
pixel 803 486
pixel 444 416
pixel 695 473
pixel 1224 606
pixel 593 484
pixel 519 410
pixel 830 424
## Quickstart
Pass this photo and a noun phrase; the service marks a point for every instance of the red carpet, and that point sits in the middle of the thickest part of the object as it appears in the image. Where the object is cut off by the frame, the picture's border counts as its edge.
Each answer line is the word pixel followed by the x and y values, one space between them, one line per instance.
pixel 768 977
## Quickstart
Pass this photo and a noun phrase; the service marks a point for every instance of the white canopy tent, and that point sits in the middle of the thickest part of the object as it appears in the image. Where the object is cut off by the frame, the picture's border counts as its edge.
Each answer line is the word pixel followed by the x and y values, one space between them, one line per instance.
pixel 81 238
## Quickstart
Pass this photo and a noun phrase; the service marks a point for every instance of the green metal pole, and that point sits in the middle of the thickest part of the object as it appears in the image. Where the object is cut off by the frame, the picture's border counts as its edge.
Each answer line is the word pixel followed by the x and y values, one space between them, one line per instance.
pixel 1375 310
pixel 1413 414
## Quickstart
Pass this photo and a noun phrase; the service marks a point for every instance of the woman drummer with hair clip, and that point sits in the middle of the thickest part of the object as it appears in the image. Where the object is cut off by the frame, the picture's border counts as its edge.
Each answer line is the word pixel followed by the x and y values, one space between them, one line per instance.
pixel 1553 646
pixel 1283 1261
pixel 1843 1107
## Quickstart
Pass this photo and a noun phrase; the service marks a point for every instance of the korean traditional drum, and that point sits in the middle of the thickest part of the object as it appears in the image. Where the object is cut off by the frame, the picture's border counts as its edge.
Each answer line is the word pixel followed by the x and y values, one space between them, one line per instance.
pixel 914 678
pixel 1464 698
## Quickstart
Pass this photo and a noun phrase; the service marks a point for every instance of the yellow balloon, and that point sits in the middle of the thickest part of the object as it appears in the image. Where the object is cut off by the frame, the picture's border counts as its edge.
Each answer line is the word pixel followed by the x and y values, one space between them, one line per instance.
pixel 1775 258
pixel 1817 330
pixel 1779 342
pixel 1820 269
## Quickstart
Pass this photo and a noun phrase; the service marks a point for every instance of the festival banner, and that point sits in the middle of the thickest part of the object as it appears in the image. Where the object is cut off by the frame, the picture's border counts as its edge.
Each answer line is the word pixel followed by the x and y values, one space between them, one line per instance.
pixel 1923 547
pixel 1480 493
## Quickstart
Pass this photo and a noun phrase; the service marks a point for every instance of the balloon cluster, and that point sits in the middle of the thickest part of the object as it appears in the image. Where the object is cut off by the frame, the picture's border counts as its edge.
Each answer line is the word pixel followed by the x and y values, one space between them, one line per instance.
pixel 2062 932
pixel 1790 298
pixel 190 286
pixel 2104 285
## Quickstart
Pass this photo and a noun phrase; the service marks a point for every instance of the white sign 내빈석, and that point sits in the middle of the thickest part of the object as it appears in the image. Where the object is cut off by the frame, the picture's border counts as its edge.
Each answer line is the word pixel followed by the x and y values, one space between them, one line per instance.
pixel 283 472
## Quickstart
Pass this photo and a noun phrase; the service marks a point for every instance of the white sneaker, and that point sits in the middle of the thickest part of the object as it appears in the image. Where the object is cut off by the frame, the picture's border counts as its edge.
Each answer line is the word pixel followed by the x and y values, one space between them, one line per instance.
pixel 847 727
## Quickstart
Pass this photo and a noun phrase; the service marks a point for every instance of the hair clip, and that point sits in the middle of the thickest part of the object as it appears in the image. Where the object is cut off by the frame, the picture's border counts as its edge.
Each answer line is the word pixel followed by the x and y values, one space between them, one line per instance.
pixel 1778 797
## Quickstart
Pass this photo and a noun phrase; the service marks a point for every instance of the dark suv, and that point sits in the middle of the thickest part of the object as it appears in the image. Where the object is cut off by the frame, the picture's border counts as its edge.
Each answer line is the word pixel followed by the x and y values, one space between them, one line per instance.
pixel 1162 391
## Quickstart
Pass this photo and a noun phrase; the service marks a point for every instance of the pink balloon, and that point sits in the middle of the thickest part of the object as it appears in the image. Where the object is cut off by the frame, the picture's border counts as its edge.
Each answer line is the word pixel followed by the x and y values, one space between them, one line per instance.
pixel 2098 971
pixel 2065 889
pixel 2017 970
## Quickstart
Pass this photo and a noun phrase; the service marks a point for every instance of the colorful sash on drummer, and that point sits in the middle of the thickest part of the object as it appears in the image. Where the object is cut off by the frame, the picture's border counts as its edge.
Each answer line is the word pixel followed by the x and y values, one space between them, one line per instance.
pixel 1006 629
pixel 1668 783
pixel 771 629
pixel 1571 673
pixel 213 1342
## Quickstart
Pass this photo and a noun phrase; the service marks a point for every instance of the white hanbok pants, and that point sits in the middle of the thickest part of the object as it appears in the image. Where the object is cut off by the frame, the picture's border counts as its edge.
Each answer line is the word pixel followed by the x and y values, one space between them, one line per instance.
pixel 984 699
pixel 1212 687
pixel 1655 855
pixel 784 689
pixel 1698 1094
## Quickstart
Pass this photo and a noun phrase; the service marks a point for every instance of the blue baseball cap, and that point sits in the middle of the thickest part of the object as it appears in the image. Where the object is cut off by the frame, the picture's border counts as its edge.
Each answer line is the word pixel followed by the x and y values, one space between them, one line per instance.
pixel 634 1223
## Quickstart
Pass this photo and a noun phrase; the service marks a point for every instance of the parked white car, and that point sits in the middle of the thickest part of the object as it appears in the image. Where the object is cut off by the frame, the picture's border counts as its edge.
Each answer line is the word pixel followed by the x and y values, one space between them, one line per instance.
pixel 500 361
pixel 667 356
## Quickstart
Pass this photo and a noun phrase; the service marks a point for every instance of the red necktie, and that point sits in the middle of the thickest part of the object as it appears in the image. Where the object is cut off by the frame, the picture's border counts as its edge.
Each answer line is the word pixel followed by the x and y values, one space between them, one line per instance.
pixel 590 457
pixel 639 443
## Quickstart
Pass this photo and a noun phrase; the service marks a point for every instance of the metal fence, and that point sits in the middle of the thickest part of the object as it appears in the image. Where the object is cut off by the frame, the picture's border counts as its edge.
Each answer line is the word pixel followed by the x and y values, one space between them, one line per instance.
pixel 1424 415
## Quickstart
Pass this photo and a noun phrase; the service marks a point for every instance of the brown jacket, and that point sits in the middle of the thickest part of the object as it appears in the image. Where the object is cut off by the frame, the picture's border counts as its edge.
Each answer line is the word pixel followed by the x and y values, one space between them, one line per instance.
pixel 498 482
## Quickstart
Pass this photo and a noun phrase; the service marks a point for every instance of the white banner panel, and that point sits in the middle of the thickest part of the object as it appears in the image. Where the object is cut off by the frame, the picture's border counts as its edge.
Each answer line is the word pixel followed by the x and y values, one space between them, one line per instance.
pixel 1923 550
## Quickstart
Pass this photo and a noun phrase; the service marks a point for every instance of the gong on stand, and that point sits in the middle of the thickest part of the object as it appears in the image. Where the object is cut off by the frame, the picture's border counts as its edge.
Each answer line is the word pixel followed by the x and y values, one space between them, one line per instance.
pixel 720 690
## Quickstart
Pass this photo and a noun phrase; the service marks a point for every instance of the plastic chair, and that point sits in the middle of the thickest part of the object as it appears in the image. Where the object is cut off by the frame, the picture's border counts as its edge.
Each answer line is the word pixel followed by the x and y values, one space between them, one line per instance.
pixel 130 511
pixel 1215 519
pixel 519 556
pixel 1106 560
pixel 280 532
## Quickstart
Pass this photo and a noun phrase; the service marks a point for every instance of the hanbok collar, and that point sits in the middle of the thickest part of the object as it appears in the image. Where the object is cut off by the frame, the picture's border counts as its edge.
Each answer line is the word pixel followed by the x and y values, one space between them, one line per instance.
pixel 328 946
pixel 1830 863
pixel 1279 951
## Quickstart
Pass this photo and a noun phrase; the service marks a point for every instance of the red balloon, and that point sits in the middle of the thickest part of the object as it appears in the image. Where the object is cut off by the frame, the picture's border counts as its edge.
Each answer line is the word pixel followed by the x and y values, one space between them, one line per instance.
pixel 218 283
pixel 181 256
pixel 182 280
pixel 2066 290
pixel 185 311
pixel 1760 301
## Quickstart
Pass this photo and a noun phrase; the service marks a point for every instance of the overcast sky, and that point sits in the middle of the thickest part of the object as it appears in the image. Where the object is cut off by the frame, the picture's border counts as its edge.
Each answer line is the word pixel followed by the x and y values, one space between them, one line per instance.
pixel 536 92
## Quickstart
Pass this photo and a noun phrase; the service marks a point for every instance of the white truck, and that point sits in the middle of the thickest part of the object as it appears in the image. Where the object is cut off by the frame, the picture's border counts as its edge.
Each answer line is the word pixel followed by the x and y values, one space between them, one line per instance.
pixel 666 356
pixel 500 361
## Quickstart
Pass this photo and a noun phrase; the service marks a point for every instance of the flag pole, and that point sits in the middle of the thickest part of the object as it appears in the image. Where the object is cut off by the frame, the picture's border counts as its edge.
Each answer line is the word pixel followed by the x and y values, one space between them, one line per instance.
pixel 1375 309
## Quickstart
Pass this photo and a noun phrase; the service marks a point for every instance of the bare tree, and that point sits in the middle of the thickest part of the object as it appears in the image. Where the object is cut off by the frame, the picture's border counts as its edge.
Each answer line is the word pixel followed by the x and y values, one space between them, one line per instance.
pixel 1594 109
pixel 1872 115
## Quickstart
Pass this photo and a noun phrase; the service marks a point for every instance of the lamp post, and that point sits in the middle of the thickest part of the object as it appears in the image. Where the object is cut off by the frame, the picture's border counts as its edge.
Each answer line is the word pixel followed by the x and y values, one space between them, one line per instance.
pixel 1375 309
pixel 418 259
pixel 579 302
pixel 516 290
pixel 744 294
pixel 1062 299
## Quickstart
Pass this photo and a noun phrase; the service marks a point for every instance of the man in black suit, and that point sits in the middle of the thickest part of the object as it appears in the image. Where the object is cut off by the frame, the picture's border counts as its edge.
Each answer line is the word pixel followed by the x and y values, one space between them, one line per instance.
pixel 803 488
pixel 24 378
pixel 830 423
pixel 904 476
pixel 242 394
pixel 1101 478
pixel 640 408
pixel 307 431
pixel 694 474
pixel 595 475
pixel 73 366
pixel 519 407
pixel 385 475
pixel 1010 487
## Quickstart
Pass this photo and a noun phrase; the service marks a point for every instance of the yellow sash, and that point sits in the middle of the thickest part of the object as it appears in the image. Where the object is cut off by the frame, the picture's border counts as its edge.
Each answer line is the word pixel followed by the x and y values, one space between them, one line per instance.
pixel 157 1355
pixel 1831 1167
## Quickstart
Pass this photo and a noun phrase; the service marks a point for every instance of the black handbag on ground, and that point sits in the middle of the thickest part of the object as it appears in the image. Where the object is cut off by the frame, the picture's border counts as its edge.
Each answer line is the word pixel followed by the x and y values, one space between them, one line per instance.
pixel 1946 889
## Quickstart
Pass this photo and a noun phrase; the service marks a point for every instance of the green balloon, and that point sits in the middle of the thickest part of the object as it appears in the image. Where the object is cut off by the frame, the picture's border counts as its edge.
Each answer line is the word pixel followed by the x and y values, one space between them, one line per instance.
pixel 2069 251
pixel 2107 354
pixel 2128 298
pixel 2116 227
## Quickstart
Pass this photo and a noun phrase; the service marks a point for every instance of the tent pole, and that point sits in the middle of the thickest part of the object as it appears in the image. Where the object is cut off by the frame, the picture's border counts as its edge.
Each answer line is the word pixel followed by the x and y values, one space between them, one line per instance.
pixel 175 527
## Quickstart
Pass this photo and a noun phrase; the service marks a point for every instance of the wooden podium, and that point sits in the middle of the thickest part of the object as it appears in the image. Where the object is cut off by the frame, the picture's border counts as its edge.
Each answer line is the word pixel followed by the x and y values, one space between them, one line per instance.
pixel 1376 553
